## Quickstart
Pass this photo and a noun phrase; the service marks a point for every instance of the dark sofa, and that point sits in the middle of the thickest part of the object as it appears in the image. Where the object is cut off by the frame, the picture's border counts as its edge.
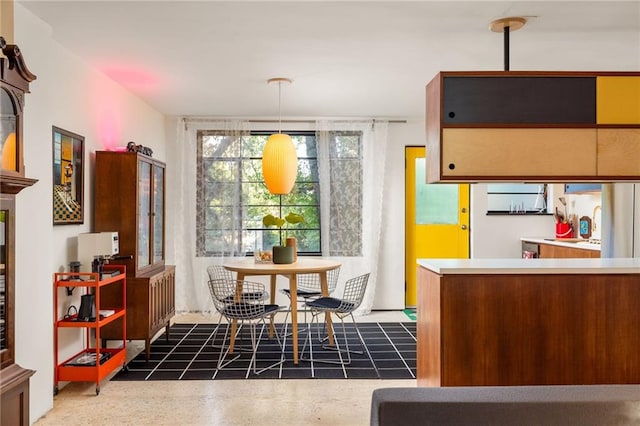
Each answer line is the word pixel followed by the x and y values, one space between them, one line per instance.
pixel 586 405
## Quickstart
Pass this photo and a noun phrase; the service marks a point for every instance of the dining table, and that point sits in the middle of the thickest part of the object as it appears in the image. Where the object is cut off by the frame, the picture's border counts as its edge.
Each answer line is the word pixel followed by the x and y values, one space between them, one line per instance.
pixel 245 267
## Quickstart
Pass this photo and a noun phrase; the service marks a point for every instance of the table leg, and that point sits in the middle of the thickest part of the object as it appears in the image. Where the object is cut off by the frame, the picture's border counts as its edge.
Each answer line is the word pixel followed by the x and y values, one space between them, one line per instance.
pixel 272 300
pixel 324 286
pixel 293 288
pixel 234 323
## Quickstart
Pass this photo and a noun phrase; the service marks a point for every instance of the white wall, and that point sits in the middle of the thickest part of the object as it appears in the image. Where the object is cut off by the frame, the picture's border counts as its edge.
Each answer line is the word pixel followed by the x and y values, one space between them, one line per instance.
pixel 69 94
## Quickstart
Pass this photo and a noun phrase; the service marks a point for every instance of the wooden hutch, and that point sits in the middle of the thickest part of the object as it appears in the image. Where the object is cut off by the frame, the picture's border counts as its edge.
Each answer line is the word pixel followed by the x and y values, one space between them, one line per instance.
pixel 14 83
pixel 130 199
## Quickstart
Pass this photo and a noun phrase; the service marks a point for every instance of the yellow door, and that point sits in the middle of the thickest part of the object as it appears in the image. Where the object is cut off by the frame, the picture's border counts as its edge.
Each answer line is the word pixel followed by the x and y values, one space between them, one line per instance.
pixel 436 222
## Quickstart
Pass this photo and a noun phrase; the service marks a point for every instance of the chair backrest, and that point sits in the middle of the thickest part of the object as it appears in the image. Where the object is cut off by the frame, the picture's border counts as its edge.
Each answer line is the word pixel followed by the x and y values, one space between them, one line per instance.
pixel 236 299
pixel 354 290
pixel 311 282
pixel 218 272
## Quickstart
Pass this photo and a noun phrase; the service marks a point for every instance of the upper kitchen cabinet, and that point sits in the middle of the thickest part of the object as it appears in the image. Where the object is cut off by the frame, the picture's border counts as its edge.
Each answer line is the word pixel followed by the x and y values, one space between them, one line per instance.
pixel 129 199
pixel 533 126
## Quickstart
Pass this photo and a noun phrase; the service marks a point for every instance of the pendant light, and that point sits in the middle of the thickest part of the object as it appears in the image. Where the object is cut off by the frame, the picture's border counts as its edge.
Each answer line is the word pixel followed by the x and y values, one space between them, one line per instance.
pixel 279 159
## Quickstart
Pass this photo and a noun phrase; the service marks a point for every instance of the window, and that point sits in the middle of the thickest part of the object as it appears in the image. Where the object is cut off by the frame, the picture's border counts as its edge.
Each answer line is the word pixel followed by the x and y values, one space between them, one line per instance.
pixel 516 198
pixel 232 198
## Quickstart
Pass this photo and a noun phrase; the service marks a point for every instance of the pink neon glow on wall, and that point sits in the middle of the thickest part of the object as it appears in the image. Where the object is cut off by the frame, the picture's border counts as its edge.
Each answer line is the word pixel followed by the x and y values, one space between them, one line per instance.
pixel 131 79
pixel 110 115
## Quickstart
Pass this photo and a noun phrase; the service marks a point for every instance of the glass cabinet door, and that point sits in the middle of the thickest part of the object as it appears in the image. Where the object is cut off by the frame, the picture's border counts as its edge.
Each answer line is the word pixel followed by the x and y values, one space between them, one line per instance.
pixel 144 214
pixel 8 142
pixel 158 214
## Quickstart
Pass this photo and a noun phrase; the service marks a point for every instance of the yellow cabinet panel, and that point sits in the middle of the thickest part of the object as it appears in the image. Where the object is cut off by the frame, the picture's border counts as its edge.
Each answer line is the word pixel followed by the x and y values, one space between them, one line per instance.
pixel 518 152
pixel 619 152
pixel 618 100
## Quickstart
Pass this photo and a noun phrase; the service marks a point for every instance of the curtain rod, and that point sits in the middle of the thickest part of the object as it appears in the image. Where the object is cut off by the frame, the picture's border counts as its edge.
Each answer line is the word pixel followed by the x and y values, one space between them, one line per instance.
pixel 372 120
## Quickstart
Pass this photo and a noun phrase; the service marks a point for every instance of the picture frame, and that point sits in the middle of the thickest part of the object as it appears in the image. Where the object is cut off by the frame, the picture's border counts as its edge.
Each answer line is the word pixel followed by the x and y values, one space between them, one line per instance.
pixel 68 177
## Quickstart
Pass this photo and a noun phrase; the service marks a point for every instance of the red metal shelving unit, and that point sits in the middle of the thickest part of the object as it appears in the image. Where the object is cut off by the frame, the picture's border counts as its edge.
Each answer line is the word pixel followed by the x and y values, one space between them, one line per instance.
pixel 76 368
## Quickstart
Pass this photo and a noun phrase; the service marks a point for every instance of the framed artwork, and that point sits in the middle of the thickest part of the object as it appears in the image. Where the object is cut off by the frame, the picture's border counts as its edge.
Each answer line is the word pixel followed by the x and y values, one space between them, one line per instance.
pixel 68 177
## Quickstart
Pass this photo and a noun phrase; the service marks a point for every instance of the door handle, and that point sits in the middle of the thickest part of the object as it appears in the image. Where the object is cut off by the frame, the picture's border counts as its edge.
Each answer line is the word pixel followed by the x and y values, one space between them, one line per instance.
pixel 464 227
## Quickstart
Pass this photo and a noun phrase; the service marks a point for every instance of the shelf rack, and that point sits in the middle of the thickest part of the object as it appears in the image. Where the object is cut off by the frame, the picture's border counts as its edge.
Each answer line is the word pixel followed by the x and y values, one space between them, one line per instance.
pixel 78 368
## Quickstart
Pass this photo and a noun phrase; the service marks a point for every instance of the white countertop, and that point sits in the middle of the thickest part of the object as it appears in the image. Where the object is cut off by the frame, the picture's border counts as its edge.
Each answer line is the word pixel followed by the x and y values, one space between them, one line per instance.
pixel 532 266
pixel 554 242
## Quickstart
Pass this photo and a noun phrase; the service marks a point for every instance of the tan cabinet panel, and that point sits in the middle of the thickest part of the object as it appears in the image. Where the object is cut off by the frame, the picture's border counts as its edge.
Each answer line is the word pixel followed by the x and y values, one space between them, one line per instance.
pixel 518 152
pixel 618 152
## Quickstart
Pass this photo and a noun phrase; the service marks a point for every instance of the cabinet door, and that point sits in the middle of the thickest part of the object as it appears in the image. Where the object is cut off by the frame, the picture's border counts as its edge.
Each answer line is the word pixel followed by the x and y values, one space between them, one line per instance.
pixel 158 214
pixel 518 152
pixel 618 152
pixel 6 279
pixel 519 100
pixel 144 214
pixel 618 100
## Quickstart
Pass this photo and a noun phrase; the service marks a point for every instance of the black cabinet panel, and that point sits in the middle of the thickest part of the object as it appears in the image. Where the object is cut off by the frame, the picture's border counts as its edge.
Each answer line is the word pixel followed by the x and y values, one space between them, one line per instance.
pixel 519 100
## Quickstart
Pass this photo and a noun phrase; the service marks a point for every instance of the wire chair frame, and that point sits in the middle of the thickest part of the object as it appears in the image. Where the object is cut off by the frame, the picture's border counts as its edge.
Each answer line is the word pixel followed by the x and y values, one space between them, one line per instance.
pixel 236 301
pixel 354 290
pixel 217 272
pixel 308 288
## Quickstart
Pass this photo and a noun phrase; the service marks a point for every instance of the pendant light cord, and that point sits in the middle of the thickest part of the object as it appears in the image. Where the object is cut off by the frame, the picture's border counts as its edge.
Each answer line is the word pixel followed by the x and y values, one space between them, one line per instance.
pixel 279 107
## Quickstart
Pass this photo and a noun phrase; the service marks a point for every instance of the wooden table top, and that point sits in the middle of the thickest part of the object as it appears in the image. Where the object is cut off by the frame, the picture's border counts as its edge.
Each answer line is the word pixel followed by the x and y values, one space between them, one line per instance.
pixel 301 266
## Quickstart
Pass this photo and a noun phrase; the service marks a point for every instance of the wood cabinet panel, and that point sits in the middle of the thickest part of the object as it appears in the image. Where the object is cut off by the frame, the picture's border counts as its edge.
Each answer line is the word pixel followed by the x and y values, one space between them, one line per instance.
pixel 550 251
pixel 516 99
pixel 150 306
pixel 618 152
pixel 618 100
pixel 529 329
pixel 518 152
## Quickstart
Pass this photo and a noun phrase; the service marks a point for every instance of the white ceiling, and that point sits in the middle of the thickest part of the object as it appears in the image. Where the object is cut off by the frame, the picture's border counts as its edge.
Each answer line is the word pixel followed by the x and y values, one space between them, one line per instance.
pixel 347 59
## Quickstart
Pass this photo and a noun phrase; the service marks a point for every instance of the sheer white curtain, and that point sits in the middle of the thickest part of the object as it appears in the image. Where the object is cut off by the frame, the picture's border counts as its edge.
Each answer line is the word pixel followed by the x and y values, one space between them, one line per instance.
pixel 337 201
pixel 192 292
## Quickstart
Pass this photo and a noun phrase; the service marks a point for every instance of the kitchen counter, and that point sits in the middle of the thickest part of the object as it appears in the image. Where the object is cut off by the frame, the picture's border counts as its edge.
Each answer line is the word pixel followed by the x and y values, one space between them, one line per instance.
pixel 532 266
pixel 512 322
pixel 582 244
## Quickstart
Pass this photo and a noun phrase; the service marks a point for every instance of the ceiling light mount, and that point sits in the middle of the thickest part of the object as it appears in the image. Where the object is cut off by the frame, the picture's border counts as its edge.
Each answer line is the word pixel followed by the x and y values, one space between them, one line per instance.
pixel 505 26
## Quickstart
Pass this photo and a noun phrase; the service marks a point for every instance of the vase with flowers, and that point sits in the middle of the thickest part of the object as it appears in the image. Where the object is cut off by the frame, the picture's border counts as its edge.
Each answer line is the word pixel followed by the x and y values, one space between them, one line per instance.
pixel 287 253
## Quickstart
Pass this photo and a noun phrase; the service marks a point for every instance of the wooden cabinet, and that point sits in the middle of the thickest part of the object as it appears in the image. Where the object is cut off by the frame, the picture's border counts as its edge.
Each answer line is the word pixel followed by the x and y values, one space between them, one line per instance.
pixel 533 126
pixel 14 84
pixel 95 361
pixel 550 251
pixel 528 328
pixel 130 199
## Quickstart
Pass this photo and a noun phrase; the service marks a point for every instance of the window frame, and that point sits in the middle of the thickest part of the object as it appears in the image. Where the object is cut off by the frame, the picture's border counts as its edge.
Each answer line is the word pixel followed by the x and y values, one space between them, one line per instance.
pixel 280 208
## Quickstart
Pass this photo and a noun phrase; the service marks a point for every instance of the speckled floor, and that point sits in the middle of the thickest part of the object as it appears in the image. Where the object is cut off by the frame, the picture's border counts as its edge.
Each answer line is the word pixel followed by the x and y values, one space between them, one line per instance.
pixel 225 402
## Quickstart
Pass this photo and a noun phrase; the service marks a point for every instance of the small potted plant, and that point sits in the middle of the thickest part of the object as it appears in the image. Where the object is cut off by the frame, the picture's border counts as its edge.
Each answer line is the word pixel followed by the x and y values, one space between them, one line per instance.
pixel 283 254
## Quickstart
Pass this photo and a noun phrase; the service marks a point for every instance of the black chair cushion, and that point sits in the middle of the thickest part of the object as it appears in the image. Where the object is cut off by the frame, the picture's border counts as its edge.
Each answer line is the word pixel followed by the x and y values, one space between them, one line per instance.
pixel 302 293
pixel 257 295
pixel 245 310
pixel 330 303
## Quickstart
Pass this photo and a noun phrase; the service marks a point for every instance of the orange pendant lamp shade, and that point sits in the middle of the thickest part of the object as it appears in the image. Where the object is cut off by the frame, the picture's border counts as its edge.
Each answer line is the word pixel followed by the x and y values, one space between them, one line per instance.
pixel 279 164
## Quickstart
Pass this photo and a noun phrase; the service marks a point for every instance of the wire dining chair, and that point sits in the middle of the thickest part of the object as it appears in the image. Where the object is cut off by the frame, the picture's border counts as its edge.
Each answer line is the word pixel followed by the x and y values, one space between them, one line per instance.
pixel 354 290
pixel 237 300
